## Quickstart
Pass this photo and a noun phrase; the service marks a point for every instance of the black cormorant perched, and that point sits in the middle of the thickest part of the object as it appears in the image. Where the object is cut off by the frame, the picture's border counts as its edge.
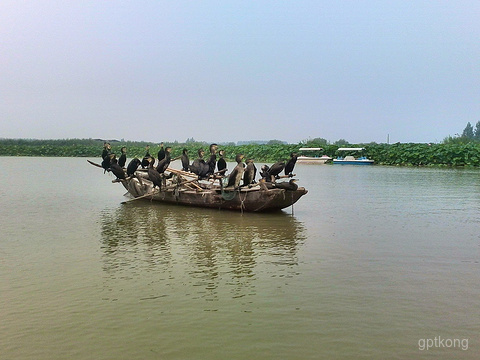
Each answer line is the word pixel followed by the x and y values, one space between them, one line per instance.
pixel 133 166
pixel 185 160
pixel 212 161
pixel 115 168
pixel 250 172
pixel 107 161
pixel 165 162
pixel 276 169
pixel 106 150
pixel 123 158
pixel 221 163
pixel 161 153
pixel 264 173
pixel 237 173
pixel 154 175
pixel 199 166
pixel 287 185
pixel 291 164
pixel 146 158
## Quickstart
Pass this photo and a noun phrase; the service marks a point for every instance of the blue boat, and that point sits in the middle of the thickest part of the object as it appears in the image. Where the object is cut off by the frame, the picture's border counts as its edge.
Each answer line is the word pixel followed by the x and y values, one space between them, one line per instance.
pixel 351 160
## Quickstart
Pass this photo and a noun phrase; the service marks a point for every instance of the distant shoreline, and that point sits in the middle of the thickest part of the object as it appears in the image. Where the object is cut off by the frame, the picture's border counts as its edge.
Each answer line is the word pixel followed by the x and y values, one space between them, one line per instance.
pixel 400 154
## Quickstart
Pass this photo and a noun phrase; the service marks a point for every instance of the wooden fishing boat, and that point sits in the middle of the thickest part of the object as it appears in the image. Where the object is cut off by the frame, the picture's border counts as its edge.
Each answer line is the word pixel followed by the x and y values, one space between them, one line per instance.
pixel 179 189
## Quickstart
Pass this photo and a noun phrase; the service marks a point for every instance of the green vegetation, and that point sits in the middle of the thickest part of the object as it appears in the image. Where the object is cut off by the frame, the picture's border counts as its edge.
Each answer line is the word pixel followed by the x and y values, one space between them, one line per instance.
pixel 94 147
pixel 452 152
pixel 425 154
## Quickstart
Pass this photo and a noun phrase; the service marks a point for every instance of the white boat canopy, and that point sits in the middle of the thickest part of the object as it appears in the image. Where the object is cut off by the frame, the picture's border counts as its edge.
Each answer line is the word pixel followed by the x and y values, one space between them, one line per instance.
pixel 350 149
pixel 311 149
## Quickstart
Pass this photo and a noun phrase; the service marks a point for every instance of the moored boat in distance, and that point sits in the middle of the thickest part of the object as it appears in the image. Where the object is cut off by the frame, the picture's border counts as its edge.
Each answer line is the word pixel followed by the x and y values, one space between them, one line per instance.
pixel 312 156
pixel 352 160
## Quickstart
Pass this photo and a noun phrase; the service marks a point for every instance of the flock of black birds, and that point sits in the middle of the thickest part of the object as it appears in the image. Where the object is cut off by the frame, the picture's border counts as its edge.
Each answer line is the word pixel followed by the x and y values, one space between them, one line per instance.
pixel 244 174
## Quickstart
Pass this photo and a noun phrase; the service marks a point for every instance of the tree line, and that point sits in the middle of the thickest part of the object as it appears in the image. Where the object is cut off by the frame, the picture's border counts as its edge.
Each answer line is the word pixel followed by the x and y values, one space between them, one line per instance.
pixel 466 154
pixel 469 134
pixel 93 148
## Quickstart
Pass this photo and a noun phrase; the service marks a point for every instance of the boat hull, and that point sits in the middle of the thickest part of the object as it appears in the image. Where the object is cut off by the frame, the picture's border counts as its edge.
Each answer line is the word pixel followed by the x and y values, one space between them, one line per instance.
pixel 252 200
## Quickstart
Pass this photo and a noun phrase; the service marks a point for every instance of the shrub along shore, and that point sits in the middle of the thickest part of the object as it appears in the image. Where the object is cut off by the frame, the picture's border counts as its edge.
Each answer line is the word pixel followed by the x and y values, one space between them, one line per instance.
pixel 401 154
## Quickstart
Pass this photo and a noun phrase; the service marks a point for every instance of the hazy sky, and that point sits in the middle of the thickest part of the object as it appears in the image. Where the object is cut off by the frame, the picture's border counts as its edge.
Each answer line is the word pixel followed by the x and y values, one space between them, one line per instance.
pixel 239 70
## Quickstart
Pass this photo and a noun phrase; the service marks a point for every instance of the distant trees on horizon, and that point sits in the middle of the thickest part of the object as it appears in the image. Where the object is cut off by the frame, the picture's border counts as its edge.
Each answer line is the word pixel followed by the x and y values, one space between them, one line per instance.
pixel 469 134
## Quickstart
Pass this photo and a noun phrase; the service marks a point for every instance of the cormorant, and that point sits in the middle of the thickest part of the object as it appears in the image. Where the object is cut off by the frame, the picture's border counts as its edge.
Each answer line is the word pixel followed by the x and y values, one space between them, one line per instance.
pixel 221 163
pixel 165 162
pixel 291 164
pixel 107 161
pixel 115 168
pixel 236 175
pixel 106 150
pixel 146 158
pixel 161 153
pixel 196 164
pixel 133 166
pixel 264 173
pixel 250 172
pixel 276 169
pixel 212 161
pixel 185 160
pixel 123 158
pixel 287 185
pixel 199 166
pixel 154 175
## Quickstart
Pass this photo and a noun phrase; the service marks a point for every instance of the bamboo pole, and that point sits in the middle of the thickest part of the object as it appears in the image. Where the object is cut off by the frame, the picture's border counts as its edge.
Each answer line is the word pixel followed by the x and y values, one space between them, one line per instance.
pixel 141 197
pixel 181 172
pixel 179 184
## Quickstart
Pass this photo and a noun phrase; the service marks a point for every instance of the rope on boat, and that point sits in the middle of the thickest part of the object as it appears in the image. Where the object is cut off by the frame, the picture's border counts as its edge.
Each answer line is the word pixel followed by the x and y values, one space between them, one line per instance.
pixel 242 205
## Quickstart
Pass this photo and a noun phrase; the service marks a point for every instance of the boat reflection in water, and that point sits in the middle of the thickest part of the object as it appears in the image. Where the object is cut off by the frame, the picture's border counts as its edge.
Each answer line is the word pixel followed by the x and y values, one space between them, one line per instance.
pixel 200 248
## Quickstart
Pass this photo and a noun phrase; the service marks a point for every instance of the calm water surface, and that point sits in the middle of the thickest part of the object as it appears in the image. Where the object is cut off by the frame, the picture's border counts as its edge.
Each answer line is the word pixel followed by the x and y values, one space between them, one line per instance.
pixel 373 261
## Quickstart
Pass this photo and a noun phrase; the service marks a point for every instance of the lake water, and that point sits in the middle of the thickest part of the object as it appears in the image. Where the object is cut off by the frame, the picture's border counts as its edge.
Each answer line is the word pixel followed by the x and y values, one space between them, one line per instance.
pixel 374 263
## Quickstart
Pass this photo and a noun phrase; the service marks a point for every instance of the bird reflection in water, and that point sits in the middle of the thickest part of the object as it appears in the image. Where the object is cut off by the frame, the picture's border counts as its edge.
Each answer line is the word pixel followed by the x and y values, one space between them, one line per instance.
pixel 203 248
